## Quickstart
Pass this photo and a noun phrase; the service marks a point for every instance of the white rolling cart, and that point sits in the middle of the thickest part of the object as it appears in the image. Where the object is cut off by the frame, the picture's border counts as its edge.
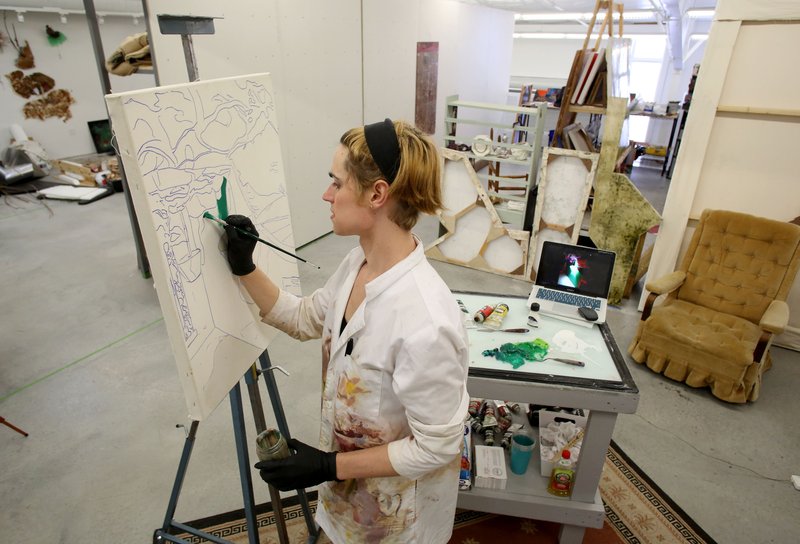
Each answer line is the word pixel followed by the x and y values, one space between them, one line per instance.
pixel 604 387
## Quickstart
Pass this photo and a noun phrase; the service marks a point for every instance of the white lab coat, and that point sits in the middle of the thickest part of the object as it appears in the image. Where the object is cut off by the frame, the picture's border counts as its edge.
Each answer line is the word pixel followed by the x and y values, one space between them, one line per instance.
pixel 403 384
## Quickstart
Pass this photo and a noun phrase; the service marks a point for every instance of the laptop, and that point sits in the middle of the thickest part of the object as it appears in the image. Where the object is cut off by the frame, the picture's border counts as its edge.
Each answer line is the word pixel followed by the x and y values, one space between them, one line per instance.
pixel 570 277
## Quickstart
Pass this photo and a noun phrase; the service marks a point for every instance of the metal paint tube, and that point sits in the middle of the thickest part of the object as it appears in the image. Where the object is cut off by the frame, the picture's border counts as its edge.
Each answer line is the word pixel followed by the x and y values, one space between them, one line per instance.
pixel 474 407
pixel 495 319
pixel 505 443
pixel 502 409
pixel 481 315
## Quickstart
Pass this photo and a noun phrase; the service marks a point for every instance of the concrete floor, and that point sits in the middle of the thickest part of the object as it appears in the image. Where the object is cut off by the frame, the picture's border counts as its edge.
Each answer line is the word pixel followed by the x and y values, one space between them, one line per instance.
pixel 86 369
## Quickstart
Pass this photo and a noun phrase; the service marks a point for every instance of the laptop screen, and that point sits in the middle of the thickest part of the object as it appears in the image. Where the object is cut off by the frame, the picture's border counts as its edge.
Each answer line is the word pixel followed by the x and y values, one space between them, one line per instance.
pixel 576 269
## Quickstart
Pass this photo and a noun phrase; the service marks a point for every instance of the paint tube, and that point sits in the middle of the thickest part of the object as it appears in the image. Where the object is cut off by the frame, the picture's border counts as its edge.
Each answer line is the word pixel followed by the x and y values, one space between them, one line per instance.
pixel 495 319
pixel 481 315
pixel 505 443
pixel 474 407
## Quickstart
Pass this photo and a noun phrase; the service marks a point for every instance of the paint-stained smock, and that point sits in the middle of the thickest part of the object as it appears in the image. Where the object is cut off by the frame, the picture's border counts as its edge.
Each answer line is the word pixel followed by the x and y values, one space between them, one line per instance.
pixel 403 384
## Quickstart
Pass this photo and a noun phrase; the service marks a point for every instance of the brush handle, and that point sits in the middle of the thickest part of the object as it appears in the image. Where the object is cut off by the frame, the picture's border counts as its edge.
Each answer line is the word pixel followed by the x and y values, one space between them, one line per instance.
pixel 254 237
pixel 573 362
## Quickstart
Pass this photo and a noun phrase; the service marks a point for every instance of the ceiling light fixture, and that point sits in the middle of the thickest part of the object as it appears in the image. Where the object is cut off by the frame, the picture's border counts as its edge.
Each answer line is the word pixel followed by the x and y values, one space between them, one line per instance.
pixel 640 15
pixel 63 18
pixel 571 36
pixel 700 13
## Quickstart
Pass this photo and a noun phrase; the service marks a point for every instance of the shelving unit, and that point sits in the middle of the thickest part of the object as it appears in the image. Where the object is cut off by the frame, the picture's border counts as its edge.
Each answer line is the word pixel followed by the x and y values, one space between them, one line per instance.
pixel 678 127
pixel 514 209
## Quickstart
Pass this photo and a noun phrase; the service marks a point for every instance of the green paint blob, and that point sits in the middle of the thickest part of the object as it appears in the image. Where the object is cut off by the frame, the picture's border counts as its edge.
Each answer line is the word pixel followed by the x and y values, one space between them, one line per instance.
pixel 222 201
pixel 516 354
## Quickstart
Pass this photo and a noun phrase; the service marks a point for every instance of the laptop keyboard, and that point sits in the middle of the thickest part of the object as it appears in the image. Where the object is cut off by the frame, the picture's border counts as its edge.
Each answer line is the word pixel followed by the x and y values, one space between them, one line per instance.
pixel 568 298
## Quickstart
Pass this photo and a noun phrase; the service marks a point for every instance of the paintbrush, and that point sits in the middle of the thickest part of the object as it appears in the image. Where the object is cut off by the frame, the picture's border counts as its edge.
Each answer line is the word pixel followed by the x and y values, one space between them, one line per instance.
pixel 219 221
pixel 520 330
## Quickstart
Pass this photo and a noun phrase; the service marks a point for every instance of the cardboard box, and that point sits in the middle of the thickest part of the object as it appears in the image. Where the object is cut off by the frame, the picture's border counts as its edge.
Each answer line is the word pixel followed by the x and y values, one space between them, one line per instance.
pixel 490 467
pixel 83 174
pixel 546 417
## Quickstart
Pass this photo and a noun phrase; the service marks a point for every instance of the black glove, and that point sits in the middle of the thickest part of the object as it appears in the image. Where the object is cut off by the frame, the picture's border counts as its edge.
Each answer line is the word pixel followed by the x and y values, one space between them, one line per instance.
pixel 240 246
pixel 307 467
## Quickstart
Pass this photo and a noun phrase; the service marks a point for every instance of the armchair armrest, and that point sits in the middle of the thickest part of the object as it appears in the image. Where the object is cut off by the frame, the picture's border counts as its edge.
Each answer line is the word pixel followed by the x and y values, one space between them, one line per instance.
pixel 776 317
pixel 667 283
pixel 664 284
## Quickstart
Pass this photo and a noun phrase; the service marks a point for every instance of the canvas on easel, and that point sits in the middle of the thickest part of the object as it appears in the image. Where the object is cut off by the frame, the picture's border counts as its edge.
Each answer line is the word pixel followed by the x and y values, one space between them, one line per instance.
pixel 210 146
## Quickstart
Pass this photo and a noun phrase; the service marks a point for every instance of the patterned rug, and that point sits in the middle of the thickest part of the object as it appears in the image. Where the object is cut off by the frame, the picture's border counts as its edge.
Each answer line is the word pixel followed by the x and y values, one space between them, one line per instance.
pixel 637 511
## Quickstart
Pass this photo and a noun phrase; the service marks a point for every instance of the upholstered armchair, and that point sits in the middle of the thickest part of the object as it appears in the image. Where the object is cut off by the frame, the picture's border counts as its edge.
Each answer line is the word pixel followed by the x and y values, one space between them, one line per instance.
pixel 719 310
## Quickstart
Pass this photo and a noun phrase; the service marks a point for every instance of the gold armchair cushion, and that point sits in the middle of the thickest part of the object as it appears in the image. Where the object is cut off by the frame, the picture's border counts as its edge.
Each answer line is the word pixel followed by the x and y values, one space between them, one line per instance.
pixel 738 263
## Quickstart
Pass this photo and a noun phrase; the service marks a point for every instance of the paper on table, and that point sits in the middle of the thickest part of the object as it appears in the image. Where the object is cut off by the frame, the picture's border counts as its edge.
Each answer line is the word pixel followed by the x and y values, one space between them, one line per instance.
pixel 68 192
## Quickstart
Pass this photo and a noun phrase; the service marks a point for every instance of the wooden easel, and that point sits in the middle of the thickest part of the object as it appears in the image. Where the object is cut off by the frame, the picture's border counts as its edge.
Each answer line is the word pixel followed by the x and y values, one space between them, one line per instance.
pixel 170 525
pixel 568 112
pixel 185 26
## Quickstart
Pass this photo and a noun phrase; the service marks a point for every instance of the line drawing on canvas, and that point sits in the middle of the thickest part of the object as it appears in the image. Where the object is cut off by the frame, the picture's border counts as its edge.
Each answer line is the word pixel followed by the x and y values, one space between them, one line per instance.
pixel 185 140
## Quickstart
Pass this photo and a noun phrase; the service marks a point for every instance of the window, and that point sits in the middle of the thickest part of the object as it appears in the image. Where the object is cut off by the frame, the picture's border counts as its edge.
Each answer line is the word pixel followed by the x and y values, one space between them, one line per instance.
pixel 647 55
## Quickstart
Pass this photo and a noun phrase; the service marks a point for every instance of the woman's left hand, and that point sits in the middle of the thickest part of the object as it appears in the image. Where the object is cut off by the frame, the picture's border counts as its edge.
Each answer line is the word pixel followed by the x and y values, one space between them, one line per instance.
pixel 306 468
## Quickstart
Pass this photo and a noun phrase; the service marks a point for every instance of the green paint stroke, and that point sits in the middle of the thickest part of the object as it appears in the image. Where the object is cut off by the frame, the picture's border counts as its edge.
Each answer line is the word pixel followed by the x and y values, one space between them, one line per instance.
pixel 76 361
pixel 222 201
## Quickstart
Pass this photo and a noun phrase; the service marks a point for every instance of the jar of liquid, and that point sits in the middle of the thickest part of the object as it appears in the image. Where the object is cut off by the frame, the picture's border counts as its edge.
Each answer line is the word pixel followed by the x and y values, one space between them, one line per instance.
pixel 562 477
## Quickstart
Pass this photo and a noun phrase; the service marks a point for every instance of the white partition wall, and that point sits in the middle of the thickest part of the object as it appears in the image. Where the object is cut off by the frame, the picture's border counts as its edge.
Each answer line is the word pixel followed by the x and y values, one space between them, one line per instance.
pixel 740 143
pixel 312 49
pixel 475 45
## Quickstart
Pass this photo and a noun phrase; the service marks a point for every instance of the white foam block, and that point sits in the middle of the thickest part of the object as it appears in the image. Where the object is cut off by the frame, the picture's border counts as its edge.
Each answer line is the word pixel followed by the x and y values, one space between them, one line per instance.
pixel 796 481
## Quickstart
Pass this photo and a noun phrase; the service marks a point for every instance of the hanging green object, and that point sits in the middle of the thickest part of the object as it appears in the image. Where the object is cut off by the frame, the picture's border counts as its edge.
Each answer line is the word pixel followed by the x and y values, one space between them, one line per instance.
pixel 54 36
pixel 516 354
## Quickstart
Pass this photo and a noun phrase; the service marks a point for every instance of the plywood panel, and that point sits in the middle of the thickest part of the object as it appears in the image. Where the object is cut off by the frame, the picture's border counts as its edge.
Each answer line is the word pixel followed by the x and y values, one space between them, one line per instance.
pixel 751 167
pixel 755 83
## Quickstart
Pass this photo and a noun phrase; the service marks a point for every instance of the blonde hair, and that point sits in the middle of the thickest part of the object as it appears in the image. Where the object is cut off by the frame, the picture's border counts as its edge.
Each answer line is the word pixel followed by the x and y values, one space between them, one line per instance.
pixel 416 188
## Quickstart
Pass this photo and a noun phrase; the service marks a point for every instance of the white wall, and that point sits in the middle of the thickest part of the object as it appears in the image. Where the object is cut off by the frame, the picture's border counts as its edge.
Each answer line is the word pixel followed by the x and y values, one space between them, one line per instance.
pixel 474 55
pixel 534 61
pixel 73 68
pixel 313 51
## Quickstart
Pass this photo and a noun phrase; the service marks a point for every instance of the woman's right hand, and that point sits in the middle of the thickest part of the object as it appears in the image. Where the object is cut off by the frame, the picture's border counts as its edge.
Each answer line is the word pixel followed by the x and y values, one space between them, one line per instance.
pixel 240 246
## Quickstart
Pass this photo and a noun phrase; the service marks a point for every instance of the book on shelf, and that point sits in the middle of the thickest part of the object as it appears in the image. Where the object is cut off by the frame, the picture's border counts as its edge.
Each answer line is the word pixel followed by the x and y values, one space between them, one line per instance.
pixel 594 69
pixel 589 57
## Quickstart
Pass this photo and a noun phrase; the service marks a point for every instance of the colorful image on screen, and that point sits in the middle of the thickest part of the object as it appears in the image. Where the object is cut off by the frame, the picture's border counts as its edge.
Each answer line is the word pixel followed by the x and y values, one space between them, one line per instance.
pixel 572 271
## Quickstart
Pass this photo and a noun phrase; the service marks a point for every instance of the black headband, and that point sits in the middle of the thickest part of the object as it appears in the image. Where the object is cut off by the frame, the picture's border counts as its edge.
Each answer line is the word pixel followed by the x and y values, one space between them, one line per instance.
pixel 384 147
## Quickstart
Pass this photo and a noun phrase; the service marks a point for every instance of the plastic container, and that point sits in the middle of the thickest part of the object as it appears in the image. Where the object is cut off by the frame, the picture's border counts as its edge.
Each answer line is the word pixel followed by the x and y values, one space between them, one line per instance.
pixel 563 476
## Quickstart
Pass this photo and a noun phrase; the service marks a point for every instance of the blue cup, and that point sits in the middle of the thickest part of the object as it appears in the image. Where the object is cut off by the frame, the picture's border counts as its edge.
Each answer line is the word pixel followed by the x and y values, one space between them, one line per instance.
pixel 522 445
